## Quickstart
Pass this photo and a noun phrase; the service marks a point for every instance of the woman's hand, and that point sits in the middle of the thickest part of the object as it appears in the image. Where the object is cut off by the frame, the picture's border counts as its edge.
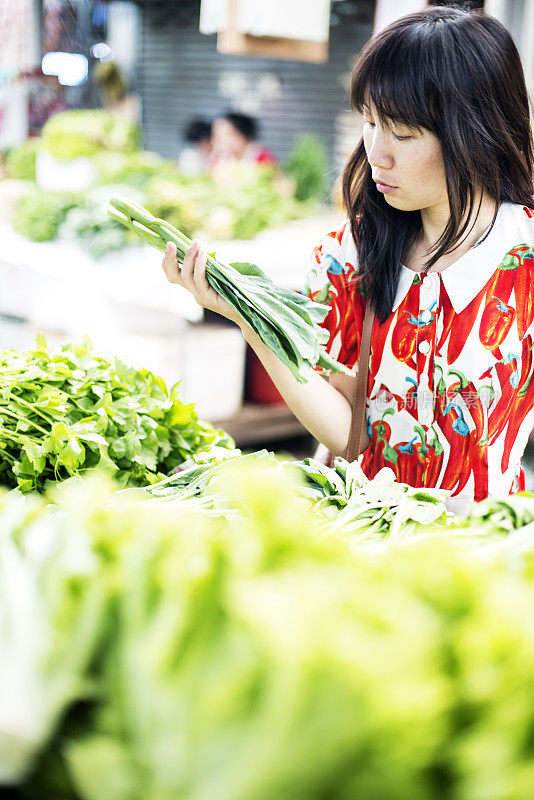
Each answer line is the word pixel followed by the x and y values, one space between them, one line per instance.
pixel 192 276
pixel 321 408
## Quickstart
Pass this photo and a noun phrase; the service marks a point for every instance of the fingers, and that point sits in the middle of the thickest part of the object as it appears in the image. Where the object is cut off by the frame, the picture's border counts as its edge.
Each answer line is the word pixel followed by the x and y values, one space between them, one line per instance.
pixel 194 274
pixel 170 265
pixel 199 271
pixel 189 263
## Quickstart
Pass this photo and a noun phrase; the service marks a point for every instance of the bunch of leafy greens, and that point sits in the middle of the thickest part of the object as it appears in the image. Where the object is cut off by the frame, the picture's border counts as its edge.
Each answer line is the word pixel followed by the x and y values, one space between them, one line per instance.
pixel 254 657
pixel 90 223
pixel 308 165
pixel 135 169
pixel 364 508
pixel 20 160
pixel 86 132
pixel 65 411
pixel 286 322
pixel 505 514
pixel 235 201
pixel 39 213
pixel 348 501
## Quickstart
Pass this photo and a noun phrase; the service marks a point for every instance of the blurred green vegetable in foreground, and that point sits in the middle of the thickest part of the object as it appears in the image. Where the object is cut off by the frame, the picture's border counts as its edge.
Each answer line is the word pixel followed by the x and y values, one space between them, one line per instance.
pixel 257 657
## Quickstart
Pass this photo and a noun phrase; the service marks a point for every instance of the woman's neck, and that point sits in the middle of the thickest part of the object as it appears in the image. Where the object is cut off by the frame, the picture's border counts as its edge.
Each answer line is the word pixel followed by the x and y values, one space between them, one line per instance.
pixel 434 222
pixel 435 219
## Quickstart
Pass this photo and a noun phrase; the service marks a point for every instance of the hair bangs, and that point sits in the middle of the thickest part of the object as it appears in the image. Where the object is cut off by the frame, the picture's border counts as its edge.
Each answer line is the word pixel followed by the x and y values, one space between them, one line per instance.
pixel 395 82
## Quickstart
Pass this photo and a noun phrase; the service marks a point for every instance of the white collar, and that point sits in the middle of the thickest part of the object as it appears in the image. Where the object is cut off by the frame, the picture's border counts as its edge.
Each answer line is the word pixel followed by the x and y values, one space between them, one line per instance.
pixel 465 277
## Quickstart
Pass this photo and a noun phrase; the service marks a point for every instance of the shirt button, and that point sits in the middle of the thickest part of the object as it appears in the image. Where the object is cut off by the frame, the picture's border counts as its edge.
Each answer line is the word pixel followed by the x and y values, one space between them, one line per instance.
pixel 426 316
pixel 424 347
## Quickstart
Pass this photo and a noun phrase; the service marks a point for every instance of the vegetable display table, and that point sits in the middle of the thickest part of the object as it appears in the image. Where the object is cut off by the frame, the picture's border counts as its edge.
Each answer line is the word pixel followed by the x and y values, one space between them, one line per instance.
pixel 255 423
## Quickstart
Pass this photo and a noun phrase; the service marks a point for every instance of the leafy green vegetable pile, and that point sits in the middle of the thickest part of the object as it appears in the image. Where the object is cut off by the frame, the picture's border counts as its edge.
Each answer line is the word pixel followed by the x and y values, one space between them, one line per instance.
pixel 146 653
pixel 91 225
pixel 350 503
pixel 87 132
pixel 502 514
pixel 39 214
pixel 287 322
pixel 234 201
pixel 308 166
pixel 20 160
pixel 65 411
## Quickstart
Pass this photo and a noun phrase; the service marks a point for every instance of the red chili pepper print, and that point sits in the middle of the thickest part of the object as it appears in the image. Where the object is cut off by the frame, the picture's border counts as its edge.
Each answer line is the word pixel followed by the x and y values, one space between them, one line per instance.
pixel 478 463
pixel 495 324
pixel 379 453
pixel 503 279
pixel 509 380
pixel 404 335
pixel 412 459
pixel 434 460
pixel 411 327
pixel 461 326
pixel 466 390
pixel 524 289
pixel 522 405
pixel 379 337
pixel 451 422
pixel 451 392
pixel 447 317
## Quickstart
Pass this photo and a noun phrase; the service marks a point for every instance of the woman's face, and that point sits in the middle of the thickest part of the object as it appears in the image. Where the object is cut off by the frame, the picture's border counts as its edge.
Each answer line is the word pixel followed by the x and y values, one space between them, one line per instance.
pixel 227 140
pixel 407 164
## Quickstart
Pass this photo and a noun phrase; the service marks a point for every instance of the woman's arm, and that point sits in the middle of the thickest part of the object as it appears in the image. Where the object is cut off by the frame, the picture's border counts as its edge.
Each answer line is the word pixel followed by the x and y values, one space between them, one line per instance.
pixel 323 407
pixel 323 410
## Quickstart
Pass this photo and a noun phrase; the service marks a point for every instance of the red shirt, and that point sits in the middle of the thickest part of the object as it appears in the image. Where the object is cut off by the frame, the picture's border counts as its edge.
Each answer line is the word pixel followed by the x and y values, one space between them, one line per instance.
pixel 451 378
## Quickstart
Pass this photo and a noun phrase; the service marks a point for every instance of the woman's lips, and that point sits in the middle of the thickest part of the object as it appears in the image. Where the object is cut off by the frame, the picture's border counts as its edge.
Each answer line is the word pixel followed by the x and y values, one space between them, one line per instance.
pixel 385 188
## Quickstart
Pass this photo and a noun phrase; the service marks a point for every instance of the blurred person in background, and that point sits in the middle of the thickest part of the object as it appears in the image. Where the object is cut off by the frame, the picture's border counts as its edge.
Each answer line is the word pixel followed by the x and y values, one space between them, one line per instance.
pixel 439 241
pixel 194 159
pixel 234 138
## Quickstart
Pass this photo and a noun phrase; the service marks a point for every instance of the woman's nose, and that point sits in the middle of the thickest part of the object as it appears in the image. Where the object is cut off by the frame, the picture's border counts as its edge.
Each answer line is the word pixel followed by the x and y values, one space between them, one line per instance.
pixel 378 154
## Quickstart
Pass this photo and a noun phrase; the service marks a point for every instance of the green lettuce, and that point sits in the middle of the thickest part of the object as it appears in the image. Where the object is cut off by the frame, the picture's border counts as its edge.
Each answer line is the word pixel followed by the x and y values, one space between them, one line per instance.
pixel 252 656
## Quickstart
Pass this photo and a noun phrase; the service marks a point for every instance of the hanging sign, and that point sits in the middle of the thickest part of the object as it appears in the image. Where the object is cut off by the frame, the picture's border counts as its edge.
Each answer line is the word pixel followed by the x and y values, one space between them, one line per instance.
pixel 268 30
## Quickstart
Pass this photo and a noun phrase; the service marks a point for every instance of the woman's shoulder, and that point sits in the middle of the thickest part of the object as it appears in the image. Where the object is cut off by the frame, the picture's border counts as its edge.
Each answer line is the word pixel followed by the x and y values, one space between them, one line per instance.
pixel 336 250
pixel 518 222
pixel 333 264
pixel 526 217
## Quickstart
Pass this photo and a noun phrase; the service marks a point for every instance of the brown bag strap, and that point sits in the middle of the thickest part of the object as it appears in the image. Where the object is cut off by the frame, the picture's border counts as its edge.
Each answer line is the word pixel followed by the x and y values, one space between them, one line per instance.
pixel 357 425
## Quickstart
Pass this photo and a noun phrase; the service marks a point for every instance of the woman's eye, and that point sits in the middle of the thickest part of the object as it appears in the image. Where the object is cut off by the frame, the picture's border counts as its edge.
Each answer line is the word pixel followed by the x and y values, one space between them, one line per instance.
pixel 401 138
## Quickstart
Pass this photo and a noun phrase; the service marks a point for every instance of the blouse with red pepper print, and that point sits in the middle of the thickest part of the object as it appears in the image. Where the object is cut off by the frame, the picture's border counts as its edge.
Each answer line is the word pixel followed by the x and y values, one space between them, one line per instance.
pixel 451 389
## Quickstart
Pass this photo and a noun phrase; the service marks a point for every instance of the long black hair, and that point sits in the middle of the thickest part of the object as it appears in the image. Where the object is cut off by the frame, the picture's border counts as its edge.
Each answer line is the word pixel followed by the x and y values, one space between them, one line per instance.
pixel 457 74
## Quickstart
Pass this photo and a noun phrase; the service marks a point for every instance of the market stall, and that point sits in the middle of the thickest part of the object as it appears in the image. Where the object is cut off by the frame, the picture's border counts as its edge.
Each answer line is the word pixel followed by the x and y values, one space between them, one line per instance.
pixel 85 276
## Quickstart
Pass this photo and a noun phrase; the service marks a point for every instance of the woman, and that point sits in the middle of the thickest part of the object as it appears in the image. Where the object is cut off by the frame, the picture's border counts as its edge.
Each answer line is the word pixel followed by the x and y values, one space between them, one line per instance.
pixel 440 240
pixel 234 138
